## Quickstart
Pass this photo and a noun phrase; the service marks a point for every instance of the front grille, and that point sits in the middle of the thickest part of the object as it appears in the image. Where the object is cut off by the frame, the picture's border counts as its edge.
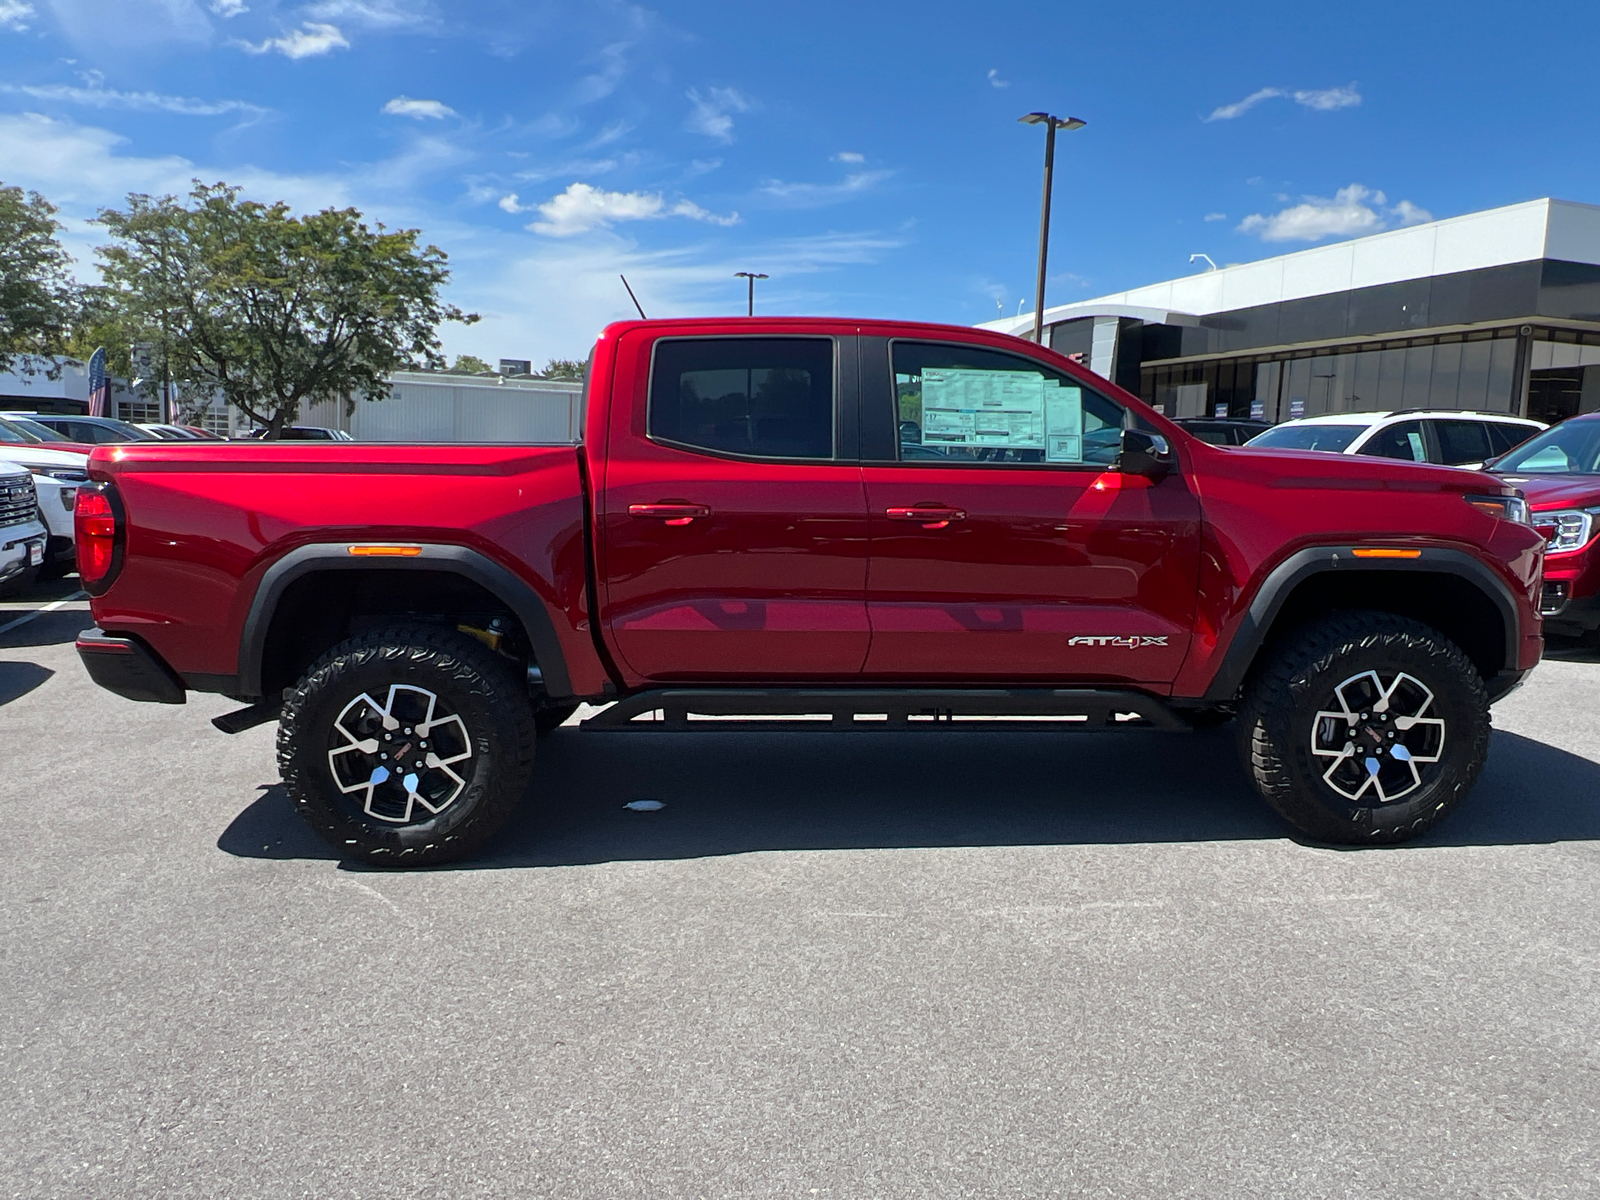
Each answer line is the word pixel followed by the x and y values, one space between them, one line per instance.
pixel 19 503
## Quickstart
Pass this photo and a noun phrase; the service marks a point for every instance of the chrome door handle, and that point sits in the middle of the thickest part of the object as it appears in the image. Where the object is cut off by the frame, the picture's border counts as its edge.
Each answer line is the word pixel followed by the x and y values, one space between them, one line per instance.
pixel 673 512
pixel 930 516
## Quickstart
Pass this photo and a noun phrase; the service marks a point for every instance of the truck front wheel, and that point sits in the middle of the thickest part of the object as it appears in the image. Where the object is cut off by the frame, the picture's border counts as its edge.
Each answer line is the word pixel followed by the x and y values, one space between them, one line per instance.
pixel 1365 728
pixel 407 746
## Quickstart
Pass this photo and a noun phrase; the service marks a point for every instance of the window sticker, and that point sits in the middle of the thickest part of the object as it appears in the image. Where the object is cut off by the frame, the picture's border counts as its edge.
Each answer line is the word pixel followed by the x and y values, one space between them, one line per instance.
pixel 1063 421
pixel 982 408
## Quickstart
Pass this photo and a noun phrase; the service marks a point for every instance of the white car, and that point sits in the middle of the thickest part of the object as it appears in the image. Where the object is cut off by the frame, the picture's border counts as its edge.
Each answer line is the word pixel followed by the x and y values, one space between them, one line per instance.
pixel 57 475
pixel 22 534
pixel 1442 436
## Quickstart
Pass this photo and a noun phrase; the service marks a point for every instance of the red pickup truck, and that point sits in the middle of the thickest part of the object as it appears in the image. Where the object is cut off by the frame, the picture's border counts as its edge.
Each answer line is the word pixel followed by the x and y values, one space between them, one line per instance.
pixel 886 526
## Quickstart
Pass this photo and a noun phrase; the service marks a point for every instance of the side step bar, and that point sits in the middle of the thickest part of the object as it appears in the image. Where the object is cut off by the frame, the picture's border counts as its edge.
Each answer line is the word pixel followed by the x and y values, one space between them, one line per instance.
pixel 856 708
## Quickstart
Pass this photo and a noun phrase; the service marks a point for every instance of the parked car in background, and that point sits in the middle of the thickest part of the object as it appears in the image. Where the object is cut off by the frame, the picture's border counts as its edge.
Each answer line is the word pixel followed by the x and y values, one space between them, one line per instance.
pixel 1445 437
pixel 1559 472
pixel 93 430
pixel 22 534
pixel 304 433
pixel 181 433
pixel 22 431
pixel 1222 431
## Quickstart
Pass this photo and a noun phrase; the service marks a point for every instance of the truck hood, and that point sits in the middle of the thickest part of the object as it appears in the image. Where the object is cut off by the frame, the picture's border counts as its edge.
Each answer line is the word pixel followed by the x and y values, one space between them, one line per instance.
pixel 31 455
pixel 1558 491
pixel 1360 471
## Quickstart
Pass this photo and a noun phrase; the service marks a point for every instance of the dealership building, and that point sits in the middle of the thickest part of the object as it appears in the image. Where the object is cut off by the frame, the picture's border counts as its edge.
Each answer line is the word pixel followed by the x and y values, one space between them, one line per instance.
pixel 1496 311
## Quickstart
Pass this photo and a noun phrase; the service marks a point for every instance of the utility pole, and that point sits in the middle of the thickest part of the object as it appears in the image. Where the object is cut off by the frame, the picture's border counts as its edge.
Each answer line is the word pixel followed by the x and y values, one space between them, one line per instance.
pixel 1051 124
pixel 752 277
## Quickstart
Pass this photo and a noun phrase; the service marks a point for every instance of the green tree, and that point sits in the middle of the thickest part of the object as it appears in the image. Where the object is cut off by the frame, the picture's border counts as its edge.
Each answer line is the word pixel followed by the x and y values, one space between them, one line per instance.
pixel 36 292
pixel 272 310
pixel 562 368
pixel 471 364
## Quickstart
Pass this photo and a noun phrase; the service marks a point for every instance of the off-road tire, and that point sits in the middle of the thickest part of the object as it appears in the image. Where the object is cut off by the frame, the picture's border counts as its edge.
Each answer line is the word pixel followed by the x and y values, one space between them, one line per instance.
pixel 551 717
pixel 1279 729
pixel 467 680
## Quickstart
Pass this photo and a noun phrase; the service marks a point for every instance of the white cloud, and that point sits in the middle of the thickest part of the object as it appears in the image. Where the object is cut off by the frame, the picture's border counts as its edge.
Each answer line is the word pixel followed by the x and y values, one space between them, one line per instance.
pixel 511 204
pixel 849 156
pixel 995 80
pixel 309 41
pixel 15 15
pixel 100 97
pixel 582 208
pixel 228 8
pixel 1354 210
pixel 126 25
pixel 712 113
pixel 814 195
pixel 1323 100
pixel 420 110
pixel 1216 217
pixel 373 14
pixel 613 68
pixel 1329 98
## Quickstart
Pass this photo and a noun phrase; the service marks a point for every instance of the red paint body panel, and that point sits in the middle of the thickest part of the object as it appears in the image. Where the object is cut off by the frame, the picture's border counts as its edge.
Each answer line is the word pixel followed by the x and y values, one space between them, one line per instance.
pixel 791 572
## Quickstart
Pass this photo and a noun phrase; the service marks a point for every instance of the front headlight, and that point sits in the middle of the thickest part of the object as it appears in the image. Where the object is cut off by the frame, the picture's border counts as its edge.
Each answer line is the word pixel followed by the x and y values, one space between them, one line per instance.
pixel 1507 508
pixel 1566 528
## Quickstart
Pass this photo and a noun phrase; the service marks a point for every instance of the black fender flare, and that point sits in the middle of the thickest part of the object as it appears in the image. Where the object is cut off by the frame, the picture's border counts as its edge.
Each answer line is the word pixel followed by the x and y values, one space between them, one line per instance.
pixel 1317 560
pixel 513 592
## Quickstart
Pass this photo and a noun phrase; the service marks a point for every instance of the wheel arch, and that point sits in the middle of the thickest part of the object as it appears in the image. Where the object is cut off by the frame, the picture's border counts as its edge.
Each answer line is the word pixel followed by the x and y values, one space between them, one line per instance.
pixel 1449 590
pixel 262 625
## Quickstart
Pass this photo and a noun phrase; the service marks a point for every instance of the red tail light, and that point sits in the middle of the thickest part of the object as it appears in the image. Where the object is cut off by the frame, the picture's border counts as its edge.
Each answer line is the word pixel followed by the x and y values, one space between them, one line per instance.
pixel 95 529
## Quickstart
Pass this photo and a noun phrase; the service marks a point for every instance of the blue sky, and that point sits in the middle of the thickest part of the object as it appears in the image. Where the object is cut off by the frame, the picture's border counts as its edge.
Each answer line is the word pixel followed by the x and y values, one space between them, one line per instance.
pixel 865 155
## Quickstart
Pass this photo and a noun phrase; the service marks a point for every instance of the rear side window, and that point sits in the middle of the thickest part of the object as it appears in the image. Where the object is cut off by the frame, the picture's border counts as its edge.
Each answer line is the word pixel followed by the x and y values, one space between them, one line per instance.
pixel 968 404
pixel 1462 442
pixel 1505 436
pixel 82 431
pixel 1403 441
pixel 762 397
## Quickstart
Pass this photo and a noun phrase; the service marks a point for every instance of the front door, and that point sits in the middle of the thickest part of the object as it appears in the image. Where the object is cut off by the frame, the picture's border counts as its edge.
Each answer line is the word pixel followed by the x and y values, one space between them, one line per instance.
pixel 734 538
pixel 1002 546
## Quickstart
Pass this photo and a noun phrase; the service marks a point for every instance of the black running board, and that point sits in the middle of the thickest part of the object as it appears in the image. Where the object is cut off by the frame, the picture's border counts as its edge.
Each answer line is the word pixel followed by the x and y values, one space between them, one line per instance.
pixel 248 718
pixel 902 708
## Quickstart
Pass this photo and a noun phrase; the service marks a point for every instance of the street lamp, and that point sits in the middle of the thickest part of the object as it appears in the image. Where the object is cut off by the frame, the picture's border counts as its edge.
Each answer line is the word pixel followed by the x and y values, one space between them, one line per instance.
pixel 752 277
pixel 1051 124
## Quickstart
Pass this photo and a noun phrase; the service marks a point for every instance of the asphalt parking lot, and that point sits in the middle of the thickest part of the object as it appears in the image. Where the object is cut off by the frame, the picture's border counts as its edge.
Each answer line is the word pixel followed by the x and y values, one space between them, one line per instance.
pixel 853 965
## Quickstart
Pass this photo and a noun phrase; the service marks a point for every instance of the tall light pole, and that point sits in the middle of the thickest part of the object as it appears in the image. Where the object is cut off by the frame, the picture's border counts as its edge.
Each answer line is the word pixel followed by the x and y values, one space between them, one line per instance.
pixel 1051 124
pixel 752 277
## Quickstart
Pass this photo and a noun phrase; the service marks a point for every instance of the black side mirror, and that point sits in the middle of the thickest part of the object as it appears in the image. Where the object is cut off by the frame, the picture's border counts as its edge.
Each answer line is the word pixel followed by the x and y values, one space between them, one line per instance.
pixel 1147 454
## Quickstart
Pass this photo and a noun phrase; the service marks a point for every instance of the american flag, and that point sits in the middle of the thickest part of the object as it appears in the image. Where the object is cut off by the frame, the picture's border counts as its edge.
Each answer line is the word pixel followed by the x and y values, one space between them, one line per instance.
pixel 99 384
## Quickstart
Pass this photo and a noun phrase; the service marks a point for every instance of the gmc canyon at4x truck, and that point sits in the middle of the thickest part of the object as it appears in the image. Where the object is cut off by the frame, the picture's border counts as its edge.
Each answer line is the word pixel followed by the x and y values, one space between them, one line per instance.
pixel 891 526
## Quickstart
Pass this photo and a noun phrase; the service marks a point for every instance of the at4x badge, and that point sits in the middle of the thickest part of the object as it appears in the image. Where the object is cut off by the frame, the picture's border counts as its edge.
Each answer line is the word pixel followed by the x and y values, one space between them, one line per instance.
pixel 1131 641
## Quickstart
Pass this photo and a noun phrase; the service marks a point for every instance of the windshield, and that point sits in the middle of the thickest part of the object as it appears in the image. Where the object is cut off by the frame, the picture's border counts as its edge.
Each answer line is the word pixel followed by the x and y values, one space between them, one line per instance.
pixel 16 435
pixel 1308 437
pixel 1572 448
pixel 41 433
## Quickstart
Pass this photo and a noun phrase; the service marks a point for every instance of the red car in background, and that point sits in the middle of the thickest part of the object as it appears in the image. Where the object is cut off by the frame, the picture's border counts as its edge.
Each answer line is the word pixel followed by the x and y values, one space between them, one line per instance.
pixel 1559 472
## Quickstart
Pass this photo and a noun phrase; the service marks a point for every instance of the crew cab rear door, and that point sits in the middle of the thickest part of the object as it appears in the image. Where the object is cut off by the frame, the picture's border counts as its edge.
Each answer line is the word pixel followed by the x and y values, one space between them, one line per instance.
pixel 1002 546
pixel 733 517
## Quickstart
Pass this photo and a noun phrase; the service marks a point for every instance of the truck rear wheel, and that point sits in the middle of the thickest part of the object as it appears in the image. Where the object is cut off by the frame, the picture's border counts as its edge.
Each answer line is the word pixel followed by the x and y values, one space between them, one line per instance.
pixel 1365 728
pixel 407 746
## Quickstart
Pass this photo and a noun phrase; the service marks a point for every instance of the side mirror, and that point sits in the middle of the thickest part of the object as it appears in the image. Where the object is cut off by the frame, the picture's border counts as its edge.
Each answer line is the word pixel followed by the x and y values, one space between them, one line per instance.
pixel 1147 454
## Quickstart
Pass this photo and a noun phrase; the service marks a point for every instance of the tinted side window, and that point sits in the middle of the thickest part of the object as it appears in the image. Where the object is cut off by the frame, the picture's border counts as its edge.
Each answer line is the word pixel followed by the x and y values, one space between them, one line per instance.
pixel 969 404
pixel 82 431
pixel 1462 442
pixel 765 397
pixel 1504 436
pixel 1403 441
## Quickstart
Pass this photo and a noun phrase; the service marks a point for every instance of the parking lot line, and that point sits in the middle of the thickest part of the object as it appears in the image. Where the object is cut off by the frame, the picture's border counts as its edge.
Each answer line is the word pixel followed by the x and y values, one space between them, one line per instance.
pixel 39 612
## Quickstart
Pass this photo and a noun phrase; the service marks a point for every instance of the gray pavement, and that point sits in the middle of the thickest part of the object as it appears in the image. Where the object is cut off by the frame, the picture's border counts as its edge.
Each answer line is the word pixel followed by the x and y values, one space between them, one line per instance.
pixel 853 965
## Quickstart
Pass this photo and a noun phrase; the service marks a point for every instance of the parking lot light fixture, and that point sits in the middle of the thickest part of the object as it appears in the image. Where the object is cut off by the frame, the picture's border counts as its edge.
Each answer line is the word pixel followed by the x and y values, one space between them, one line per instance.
pixel 752 276
pixel 1051 124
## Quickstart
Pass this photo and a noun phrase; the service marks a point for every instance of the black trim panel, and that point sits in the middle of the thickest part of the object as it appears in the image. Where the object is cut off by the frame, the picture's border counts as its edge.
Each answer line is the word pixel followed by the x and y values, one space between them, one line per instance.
pixel 129 668
pixel 1318 560
pixel 513 592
